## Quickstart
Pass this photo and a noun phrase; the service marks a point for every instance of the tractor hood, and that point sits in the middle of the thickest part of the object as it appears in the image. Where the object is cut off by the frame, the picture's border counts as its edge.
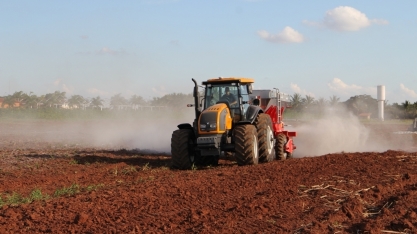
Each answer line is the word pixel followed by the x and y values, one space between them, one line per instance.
pixel 215 120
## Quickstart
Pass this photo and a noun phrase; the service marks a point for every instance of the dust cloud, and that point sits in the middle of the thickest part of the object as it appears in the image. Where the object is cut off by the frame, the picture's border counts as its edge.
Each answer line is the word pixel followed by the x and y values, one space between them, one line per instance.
pixel 337 131
pixel 150 133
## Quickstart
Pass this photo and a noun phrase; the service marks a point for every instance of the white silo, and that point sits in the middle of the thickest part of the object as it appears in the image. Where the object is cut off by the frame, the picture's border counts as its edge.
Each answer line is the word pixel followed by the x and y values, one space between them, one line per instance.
pixel 381 100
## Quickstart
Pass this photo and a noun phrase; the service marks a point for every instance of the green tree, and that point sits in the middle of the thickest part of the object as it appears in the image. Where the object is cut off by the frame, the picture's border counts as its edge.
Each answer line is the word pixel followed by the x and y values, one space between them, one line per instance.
pixel 137 101
pixel 118 101
pixel 55 99
pixel 31 100
pixel 307 101
pixel 334 100
pixel 409 109
pixel 173 100
pixel 321 102
pixel 97 102
pixel 19 98
pixel 296 101
pixel 320 105
pixel 8 101
pixel 362 104
pixel 76 101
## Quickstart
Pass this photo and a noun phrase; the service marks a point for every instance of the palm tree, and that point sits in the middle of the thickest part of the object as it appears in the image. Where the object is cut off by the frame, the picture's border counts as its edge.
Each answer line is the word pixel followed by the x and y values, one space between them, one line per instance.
pixel 40 101
pixel 136 101
pixel 334 100
pixel 54 99
pixel 97 102
pixel 321 102
pixel 32 100
pixel 296 101
pixel 307 101
pixel 118 101
pixel 407 106
pixel 19 98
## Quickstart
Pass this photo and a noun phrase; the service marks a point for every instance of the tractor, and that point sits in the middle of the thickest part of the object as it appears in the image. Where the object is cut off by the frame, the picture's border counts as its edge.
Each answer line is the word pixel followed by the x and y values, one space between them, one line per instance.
pixel 231 119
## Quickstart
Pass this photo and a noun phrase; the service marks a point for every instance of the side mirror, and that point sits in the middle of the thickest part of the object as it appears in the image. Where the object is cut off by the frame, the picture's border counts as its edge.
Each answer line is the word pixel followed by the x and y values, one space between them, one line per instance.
pixel 249 88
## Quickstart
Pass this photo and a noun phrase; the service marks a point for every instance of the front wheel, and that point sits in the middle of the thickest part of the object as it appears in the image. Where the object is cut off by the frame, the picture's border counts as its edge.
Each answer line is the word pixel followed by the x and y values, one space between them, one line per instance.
pixel 246 145
pixel 182 155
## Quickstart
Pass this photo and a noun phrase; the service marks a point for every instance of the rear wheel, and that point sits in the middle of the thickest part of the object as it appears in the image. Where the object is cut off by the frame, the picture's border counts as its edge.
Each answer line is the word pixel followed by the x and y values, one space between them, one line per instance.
pixel 280 147
pixel 246 145
pixel 182 155
pixel 266 138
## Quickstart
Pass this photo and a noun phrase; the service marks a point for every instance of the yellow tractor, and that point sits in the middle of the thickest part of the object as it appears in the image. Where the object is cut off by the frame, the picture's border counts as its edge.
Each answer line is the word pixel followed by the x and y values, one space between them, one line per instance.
pixel 231 120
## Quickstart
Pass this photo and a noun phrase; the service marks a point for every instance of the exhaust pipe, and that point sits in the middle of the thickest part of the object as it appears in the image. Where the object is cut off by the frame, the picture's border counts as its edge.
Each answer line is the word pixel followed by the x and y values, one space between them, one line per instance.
pixel 196 99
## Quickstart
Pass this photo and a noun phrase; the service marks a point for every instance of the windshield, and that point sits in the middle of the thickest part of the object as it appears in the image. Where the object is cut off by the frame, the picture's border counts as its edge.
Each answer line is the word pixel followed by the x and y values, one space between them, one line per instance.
pixel 224 92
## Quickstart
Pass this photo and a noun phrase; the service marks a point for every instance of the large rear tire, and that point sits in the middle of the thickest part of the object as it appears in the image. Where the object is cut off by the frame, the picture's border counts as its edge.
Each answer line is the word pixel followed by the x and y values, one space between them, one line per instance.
pixel 266 138
pixel 182 155
pixel 280 147
pixel 246 145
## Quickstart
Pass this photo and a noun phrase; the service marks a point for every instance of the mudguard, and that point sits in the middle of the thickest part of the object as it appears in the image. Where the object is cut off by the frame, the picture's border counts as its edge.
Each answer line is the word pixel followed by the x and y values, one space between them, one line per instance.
pixel 252 113
pixel 184 126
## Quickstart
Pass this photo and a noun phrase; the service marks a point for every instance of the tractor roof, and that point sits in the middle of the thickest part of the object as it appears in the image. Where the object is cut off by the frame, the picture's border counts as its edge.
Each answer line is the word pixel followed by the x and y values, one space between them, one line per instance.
pixel 222 80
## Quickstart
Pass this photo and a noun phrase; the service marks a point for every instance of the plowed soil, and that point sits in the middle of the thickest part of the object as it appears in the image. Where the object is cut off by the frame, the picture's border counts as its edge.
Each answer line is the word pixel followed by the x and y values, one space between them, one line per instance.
pixel 48 186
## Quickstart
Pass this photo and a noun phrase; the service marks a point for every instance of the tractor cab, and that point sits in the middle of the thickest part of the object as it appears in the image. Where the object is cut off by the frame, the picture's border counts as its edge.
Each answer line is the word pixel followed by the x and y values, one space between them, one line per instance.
pixel 234 92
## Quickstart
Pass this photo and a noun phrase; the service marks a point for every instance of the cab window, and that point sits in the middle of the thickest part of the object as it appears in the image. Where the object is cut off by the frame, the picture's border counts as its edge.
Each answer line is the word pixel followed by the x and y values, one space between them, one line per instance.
pixel 216 93
pixel 245 97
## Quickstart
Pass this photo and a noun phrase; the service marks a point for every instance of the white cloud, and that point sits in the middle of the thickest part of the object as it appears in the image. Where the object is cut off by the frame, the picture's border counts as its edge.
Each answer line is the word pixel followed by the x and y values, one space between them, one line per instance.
pixel 296 89
pixel 407 91
pixel 288 35
pixel 345 18
pixel 339 86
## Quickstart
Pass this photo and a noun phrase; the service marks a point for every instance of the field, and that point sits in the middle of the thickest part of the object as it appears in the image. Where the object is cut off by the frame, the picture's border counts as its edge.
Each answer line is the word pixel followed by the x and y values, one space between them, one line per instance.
pixel 88 177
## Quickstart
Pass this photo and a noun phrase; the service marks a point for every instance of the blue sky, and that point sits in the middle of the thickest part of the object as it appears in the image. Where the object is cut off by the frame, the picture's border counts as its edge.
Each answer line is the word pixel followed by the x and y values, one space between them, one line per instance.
pixel 154 47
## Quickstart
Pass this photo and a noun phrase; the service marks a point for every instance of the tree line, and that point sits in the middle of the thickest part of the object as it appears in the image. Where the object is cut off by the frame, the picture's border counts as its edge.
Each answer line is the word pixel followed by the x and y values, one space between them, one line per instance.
pixel 359 104
pixel 300 104
pixel 59 99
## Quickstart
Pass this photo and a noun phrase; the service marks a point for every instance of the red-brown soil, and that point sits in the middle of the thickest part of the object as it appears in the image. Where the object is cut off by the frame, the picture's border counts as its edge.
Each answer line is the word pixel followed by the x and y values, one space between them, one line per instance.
pixel 128 191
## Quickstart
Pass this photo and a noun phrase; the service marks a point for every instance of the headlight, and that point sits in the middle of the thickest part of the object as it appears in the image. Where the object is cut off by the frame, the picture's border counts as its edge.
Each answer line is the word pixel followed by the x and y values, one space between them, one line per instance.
pixel 208 126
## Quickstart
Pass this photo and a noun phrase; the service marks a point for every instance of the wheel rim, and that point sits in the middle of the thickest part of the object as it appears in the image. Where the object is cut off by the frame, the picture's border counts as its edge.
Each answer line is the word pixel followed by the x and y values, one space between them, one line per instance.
pixel 255 147
pixel 269 140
